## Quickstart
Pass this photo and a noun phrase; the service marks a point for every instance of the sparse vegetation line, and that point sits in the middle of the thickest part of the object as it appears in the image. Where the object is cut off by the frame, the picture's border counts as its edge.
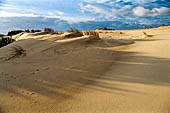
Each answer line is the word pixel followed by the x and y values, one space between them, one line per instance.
pixel 16 52
pixel 5 40
pixel 72 30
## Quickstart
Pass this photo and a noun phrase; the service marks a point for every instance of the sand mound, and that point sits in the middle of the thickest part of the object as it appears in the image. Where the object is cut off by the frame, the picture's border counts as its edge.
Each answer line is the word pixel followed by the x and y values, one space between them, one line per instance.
pixel 34 43
pixel 72 35
pixel 51 68
pixel 49 44
pixel 40 33
pixel 17 36
pixel 35 35
pixel 45 36
pixel 22 36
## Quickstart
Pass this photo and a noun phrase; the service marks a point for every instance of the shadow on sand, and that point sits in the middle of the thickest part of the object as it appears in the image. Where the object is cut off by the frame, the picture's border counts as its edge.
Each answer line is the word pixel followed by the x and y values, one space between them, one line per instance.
pixel 1 110
pixel 60 71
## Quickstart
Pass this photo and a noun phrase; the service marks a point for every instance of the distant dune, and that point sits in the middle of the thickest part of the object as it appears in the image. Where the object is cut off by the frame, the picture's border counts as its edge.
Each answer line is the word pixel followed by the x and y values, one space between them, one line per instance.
pixel 122 71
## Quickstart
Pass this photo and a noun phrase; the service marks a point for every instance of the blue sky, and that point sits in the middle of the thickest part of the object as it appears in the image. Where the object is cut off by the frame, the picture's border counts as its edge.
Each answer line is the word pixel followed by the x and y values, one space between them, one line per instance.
pixel 83 14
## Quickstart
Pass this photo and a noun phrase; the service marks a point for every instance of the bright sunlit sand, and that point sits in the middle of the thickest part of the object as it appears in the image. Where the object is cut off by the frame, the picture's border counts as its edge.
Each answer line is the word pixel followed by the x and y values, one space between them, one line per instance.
pixel 84 56
pixel 123 73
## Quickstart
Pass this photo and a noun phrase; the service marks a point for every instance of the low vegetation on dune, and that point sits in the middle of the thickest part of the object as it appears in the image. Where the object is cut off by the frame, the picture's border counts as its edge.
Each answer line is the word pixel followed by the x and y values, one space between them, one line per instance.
pixel 145 35
pixel 72 30
pixel 105 28
pixel 57 33
pixel 91 33
pixel 52 31
pixel 5 40
pixel 15 32
pixel 33 31
pixel 73 33
pixel 60 33
pixel 121 33
pixel 16 52
pixel 83 33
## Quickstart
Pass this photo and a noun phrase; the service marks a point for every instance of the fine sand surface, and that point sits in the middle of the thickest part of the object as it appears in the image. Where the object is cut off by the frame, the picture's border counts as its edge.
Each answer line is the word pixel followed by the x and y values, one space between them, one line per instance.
pixel 123 72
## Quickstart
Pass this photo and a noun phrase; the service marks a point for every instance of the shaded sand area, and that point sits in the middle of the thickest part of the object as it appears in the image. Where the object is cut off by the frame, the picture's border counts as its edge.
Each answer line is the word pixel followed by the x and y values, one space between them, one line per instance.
pixel 121 72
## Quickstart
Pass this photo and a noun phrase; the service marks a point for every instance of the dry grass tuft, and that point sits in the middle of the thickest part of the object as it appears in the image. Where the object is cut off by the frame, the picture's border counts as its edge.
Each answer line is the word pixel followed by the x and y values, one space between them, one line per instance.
pixel 72 30
pixel 91 33
pixel 60 33
pixel 121 33
pixel 75 31
pixel 145 35
pixel 16 52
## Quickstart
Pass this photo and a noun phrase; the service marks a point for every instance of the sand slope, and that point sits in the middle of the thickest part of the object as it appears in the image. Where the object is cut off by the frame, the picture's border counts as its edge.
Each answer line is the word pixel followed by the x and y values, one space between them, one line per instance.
pixel 85 74
pixel 138 82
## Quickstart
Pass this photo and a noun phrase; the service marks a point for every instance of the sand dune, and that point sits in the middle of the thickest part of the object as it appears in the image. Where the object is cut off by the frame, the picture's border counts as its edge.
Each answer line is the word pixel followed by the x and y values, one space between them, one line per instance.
pixel 120 72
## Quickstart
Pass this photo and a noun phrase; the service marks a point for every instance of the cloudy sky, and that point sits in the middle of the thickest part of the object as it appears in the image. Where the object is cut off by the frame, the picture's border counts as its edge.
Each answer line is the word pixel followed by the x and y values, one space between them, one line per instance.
pixel 82 14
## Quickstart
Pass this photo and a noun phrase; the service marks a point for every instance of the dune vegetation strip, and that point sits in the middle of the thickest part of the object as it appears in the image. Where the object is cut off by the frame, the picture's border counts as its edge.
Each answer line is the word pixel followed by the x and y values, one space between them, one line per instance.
pixel 5 40
pixel 16 51
pixel 75 31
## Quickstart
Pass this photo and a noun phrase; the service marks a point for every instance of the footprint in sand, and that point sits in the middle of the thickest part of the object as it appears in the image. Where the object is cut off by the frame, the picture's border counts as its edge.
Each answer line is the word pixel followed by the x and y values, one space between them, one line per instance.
pixel 28 93
pixel 37 70
pixel 32 93
pixel 12 77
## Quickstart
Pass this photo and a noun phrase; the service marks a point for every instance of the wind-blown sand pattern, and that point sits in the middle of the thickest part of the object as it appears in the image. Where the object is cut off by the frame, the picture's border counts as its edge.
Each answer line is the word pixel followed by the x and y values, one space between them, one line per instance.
pixel 123 72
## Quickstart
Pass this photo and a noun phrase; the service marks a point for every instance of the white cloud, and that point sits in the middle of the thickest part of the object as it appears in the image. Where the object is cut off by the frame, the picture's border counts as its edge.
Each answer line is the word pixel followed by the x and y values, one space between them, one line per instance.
pixel 11 14
pixel 54 14
pixel 8 8
pixel 139 1
pixel 141 11
pixel 96 10
pixel 60 12
pixel 97 1
pixel 116 1
pixel 33 12
pixel 72 20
